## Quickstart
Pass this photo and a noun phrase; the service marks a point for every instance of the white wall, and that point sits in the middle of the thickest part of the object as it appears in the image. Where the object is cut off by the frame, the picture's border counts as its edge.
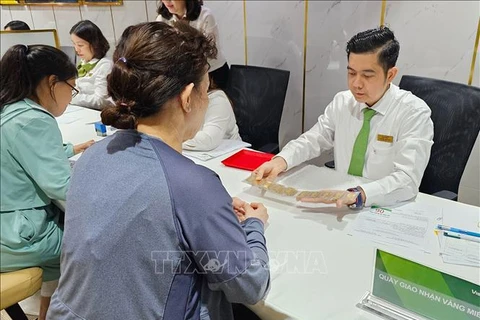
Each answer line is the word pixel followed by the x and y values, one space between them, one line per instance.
pixel 436 38
pixel 111 19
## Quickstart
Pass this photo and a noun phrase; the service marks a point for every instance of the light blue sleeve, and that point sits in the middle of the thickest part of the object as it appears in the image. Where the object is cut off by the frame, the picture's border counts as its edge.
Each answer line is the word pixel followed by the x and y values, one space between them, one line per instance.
pixel 68 148
pixel 39 150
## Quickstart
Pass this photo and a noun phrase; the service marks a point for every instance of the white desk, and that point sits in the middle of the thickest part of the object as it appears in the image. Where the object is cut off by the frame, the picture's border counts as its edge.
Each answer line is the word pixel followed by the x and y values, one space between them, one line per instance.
pixel 346 262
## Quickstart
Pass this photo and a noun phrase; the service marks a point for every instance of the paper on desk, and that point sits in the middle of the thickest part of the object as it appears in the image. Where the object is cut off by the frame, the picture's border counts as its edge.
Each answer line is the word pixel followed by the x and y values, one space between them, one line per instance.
pixel 470 220
pixel 460 261
pixel 67 119
pixel 459 251
pixel 225 146
pixel 72 108
pixel 407 226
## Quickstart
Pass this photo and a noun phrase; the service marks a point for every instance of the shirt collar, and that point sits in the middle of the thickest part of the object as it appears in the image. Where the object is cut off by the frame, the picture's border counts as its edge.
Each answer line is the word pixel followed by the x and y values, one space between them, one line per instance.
pixel 175 18
pixel 94 60
pixel 383 104
pixel 36 106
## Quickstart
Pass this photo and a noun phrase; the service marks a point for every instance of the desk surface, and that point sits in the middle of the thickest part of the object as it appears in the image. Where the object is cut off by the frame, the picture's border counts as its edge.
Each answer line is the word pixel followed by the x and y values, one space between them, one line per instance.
pixel 295 235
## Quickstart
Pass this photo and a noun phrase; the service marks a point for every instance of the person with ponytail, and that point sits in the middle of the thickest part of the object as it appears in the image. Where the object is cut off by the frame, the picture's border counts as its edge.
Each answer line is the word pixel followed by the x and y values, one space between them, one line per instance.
pixel 142 220
pixel 91 47
pixel 36 85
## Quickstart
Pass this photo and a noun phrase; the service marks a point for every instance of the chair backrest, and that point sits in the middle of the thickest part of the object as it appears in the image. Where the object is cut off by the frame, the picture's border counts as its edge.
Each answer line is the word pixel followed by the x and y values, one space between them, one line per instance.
pixel 456 119
pixel 258 96
pixel 70 52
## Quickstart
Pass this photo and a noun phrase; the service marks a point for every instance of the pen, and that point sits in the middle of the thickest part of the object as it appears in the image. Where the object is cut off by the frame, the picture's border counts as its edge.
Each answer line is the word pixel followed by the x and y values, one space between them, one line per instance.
pixel 461 236
pixel 465 232
pixel 378 207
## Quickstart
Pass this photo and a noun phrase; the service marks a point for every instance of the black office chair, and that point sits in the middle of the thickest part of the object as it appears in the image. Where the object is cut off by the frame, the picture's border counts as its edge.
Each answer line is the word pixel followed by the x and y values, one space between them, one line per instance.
pixel 258 96
pixel 456 118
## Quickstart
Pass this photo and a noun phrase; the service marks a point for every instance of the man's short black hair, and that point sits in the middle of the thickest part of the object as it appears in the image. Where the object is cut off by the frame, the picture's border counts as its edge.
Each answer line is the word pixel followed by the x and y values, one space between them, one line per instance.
pixel 379 39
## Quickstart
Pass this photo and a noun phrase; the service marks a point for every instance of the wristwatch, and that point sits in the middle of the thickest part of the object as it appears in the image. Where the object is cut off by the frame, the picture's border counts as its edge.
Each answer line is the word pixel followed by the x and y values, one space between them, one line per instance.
pixel 358 205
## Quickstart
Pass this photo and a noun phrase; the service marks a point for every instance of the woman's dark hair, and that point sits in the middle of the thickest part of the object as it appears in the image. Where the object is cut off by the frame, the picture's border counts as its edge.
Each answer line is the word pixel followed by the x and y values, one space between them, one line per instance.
pixel 88 31
pixel 381 40
pixel 154 62
pixel 16 25
pixel 194 7
pixel 23 67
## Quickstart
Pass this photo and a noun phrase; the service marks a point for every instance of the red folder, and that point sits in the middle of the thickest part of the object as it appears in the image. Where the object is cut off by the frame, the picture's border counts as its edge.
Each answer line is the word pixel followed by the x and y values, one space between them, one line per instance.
pixel 247 159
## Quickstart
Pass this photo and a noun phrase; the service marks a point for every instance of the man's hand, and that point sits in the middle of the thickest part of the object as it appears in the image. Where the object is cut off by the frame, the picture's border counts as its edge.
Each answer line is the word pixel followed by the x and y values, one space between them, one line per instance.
pixel 270 169
pixel 339 197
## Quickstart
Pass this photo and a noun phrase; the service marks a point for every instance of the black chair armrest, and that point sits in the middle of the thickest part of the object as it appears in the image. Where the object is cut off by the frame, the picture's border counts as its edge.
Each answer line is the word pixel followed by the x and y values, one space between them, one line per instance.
pixel 445 194
pixel 269 148
pixel 330 164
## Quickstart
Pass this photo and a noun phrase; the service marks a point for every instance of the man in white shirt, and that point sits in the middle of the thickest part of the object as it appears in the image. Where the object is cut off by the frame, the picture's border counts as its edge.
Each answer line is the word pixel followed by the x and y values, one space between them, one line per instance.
pixel 377 130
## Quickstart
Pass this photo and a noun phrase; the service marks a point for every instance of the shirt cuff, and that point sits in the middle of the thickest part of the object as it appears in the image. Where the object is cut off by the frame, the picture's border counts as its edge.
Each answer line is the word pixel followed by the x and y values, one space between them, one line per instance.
pixel 373 192
pixel 287 155
pixel 253 224
pixel 68 147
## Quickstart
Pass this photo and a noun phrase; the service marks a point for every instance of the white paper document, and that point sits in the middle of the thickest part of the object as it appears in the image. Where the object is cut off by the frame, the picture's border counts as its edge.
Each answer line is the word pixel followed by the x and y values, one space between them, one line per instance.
pixel 67 118
pixel 458 248
pixel 72 108
pixel 459 251
pixel 225 146
pixel 407 226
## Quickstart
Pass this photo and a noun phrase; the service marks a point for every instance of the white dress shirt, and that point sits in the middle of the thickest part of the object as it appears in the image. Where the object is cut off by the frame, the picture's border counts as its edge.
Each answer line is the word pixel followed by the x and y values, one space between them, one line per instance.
pixel 93 86
pixel 205 23
pixel 219 124
pixel 396 167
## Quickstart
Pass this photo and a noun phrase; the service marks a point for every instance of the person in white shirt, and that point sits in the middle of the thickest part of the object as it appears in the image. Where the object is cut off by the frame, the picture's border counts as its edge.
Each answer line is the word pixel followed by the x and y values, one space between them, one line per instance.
pixel 201 18
pixel 91 47
pixel 377 130
pixel 219 122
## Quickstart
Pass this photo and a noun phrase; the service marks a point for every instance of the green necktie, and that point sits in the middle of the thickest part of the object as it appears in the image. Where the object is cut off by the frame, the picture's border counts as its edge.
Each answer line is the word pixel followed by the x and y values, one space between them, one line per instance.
pixel 84 69
pixel 360 146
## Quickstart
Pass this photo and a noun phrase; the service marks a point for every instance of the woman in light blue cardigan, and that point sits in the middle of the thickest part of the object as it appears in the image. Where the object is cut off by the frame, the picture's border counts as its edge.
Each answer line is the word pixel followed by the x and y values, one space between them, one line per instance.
pixel 37 84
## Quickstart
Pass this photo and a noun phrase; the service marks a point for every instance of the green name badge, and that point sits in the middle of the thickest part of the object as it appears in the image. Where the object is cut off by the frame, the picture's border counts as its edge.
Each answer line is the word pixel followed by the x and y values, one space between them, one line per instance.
pixel 403 289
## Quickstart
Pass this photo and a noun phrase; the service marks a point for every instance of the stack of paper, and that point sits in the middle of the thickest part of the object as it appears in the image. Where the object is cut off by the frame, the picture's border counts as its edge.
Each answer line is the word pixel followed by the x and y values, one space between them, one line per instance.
pixel 459 238
pixel 407 226
pixel 456 250
pixel 225 146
